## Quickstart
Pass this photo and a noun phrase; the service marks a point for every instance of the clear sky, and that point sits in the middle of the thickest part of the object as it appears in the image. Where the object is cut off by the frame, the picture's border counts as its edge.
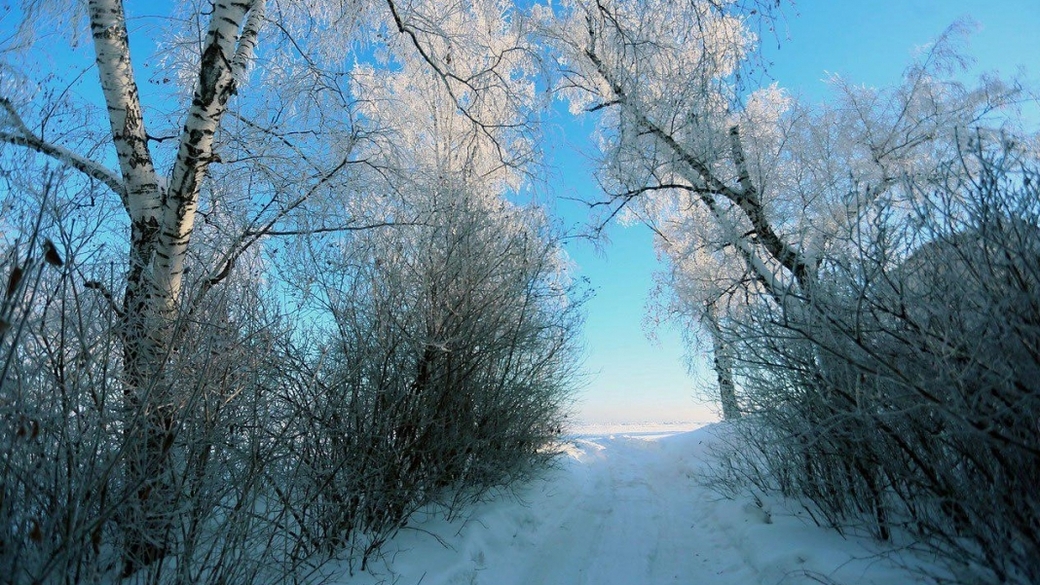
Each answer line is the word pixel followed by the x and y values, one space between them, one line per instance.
pixel 635 380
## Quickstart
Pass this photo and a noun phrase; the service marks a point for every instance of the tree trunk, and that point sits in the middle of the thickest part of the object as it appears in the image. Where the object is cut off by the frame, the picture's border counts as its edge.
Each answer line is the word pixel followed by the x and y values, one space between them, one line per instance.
pixel 161 222
pixel 723 365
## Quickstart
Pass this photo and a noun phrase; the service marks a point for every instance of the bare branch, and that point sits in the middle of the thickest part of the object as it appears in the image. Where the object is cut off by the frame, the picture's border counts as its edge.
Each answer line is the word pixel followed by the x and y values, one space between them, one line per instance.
pixel 333 230
pixel 251 237
pixel 103 290
pixel 25 137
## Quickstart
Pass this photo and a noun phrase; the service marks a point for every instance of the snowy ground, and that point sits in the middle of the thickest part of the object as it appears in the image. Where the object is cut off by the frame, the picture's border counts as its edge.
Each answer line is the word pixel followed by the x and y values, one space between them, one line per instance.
pixel 625 507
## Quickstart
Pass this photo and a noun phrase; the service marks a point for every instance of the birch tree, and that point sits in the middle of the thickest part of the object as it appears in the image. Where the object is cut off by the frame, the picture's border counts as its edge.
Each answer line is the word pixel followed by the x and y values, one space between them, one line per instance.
pixel 266 148
pixel 820 207
pixel 674 120
pixel 705 161
pixel 161 211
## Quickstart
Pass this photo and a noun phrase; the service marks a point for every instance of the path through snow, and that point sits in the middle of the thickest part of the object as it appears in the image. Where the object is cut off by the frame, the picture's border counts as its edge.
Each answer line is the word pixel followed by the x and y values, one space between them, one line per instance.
pixel 628 509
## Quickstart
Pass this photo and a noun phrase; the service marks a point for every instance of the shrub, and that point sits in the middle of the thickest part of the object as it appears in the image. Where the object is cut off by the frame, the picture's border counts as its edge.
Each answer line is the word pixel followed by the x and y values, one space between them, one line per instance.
pixel 905 399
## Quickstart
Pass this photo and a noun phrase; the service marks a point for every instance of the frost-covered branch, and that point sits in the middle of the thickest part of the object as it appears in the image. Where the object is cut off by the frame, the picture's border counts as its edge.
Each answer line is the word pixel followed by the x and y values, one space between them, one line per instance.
pixel 745 195
pixel 486 93
pixel 23 136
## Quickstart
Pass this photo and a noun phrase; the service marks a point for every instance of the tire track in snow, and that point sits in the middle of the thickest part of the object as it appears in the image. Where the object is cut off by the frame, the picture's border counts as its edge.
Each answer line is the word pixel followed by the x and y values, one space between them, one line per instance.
pixel 571 537
pixel 621 529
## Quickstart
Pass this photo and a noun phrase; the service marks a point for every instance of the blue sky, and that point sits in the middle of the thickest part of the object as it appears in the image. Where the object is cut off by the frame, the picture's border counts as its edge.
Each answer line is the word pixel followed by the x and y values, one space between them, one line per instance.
pixel 632 379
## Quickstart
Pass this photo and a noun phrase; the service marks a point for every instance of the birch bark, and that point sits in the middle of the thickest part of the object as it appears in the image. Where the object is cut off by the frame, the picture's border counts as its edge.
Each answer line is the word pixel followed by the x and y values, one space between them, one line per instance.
pixel 161 222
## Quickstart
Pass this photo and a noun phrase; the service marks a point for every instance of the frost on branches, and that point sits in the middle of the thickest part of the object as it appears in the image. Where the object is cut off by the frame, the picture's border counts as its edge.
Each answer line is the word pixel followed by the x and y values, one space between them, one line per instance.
pixel 192 150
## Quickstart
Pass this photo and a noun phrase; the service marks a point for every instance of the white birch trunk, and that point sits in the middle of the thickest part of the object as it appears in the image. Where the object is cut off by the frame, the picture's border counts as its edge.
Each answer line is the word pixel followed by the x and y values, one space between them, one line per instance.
pixel 228 47
pixel 161 224
pixel 142 332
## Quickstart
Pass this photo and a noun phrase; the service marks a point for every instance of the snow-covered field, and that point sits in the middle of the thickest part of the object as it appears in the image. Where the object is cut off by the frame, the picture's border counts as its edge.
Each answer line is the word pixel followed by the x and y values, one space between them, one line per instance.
pixel 625 507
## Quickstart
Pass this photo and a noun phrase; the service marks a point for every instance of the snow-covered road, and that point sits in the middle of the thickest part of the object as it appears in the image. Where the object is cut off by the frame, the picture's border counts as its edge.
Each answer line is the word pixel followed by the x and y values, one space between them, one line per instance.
pixel 622 521
pixel 628 509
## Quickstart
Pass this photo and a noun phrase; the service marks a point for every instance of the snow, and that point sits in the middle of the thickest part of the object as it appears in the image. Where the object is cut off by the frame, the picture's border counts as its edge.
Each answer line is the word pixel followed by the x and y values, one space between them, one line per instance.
pixel 629 508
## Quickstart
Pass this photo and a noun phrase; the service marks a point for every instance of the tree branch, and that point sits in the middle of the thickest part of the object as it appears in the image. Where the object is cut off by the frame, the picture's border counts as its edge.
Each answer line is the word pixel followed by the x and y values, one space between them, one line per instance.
pixel 73 160
pixel 251 237
pixel 603 105
pixel 750 203
pixel 103 290
pixel 446 78
pixel 25 137
pixel 332 230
